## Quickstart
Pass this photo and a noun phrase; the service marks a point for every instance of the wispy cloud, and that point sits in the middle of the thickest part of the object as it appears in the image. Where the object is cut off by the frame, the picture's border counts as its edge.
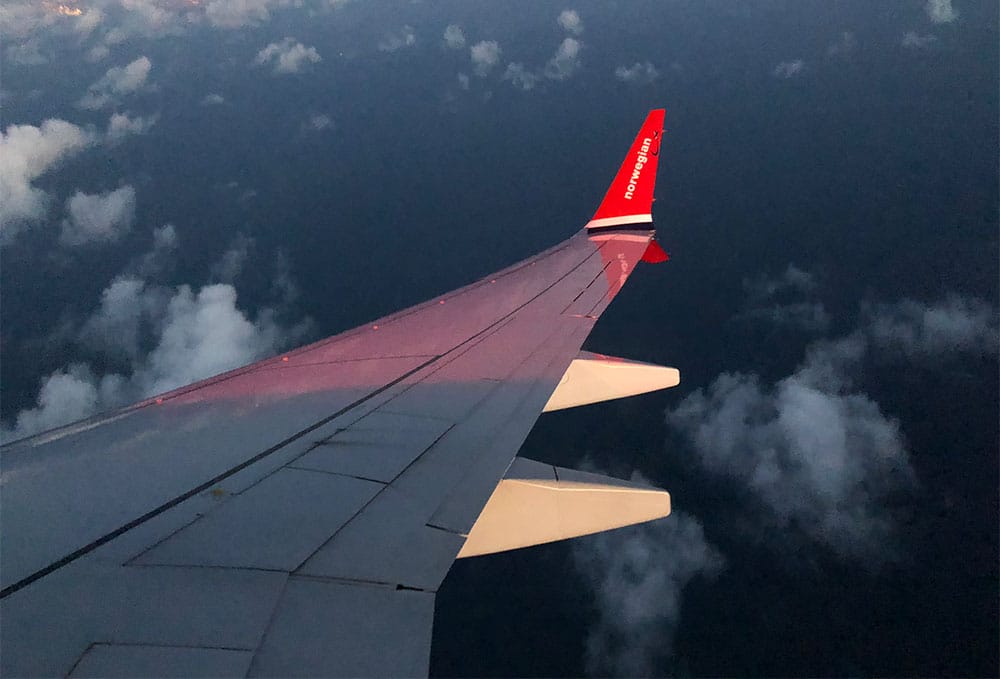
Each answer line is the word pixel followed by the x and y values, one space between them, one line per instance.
pixel 521 77
pixel 639 72
pixel 949 326
pixel 287 56
pixel 117 81
pixel 789 69
pixel 397 40
pixel 213 99
pixel 914 40
pixel 121 125
pixel 638 575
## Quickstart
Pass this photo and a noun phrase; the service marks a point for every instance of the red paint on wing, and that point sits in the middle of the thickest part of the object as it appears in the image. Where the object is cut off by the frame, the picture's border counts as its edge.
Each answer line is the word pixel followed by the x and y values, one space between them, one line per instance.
pixel 631 192
pixel 655 254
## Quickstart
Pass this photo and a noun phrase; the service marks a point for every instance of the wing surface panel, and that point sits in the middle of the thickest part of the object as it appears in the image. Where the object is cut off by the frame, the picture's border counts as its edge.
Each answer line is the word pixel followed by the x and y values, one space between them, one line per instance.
pixel 332 485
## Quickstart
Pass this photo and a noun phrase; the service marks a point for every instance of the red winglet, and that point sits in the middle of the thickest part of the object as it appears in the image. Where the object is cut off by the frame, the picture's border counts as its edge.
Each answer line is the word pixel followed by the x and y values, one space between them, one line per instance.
pixel 629 200
pixel 654 253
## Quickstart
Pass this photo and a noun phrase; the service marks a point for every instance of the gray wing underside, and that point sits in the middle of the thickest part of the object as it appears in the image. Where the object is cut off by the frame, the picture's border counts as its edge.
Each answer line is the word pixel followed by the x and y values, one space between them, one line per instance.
pixel 297 516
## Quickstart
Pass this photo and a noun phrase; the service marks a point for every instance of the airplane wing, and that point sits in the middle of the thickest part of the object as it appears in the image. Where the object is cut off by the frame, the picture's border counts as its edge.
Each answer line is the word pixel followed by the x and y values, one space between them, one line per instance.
pixel 296 516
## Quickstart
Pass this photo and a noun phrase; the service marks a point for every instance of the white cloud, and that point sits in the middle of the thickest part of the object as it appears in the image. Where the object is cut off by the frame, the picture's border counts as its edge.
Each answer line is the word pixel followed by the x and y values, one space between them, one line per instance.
pixel 638 575
pixel 779 300
pixel 485 55
pixel 288 56
pixel 26 54
pixel 454 37
pixel 913 40
pixel 941 11
pixel 789 69
pixel 639 72
pixel 117 81
pixel 98 217
pixel 463 81
pixel 194 335
pixel 120 125
pixel 391 42
pixel 65 396
pixel 819 457
pixel 213 100
pixel 521 77
pixel 917 330
pixel 26 153
pixel 570 21
pixel 793 280
pixel 565 61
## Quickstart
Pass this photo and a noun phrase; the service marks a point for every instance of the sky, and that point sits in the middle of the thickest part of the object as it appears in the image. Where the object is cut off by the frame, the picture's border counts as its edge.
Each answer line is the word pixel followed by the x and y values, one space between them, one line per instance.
pixel 189 186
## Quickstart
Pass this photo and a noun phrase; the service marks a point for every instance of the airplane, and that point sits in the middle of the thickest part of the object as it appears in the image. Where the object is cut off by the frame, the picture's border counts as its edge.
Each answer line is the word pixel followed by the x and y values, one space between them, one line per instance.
pixel 296 516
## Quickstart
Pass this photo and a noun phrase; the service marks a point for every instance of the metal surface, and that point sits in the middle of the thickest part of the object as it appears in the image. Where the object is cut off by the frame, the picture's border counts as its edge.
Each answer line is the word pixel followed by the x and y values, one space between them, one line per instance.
pixel 303 509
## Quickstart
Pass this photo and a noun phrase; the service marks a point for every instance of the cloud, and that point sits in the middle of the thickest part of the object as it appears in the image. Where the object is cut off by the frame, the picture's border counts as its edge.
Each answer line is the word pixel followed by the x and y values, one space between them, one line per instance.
pixel 485 55
pixel 160 258
pixel 793 280
pixel 238 13
pixel 65 396
pixel 391 42
pixel 120 125
pixel 918 330
pixel 639 72
pixel 811 316
pixel 98 217
pixel 844 45
pixel 318 122
pixel 913 40
pixel 128 306
pixel 97 53
pixel 26 153
pixel 570 21
pixel 454 38
pixel 819 457
pixel 521 77
pixel 194 335
pixel 779 300
pixel 463 81
pixel 213 100
pixel 26 54
pixel 789 69
pixel 117 81
pixel 941 11
pixel 565 61
pixel 288 56
pixel 638 575
pixel 230 265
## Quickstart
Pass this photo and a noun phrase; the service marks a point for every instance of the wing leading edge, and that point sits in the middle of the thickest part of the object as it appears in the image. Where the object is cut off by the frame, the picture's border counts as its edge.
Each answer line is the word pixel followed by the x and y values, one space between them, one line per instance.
pixel 296 516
